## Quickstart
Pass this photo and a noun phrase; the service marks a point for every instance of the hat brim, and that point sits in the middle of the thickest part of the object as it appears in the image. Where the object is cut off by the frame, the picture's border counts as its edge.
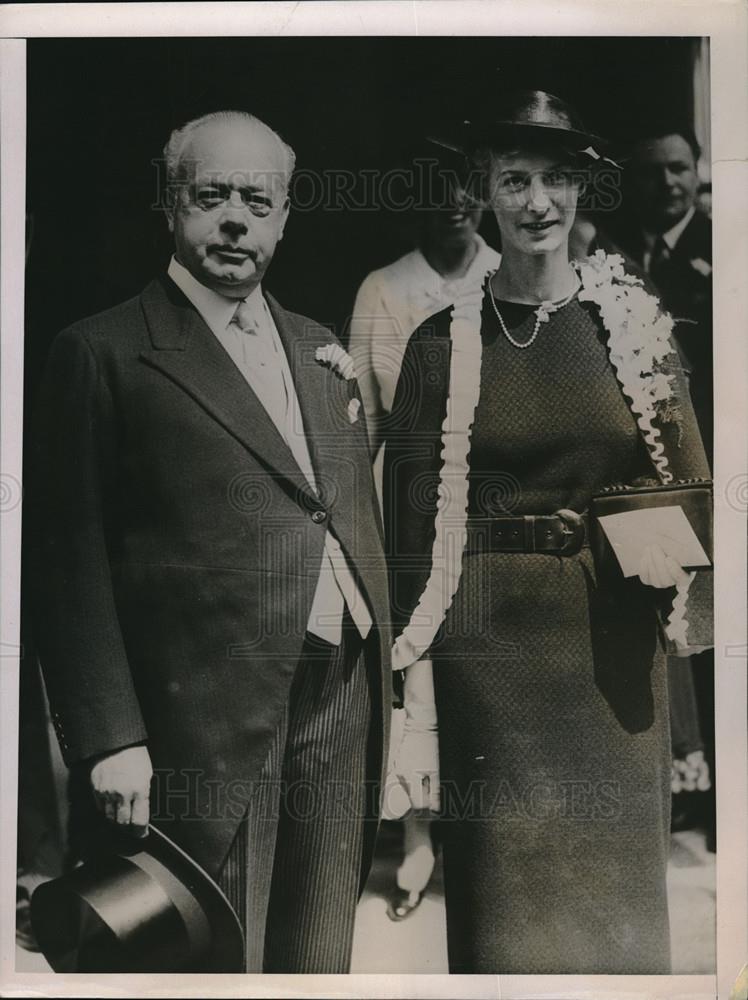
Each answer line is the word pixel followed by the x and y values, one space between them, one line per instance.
pixel 473 135
pixel 226 953
pixel 73 916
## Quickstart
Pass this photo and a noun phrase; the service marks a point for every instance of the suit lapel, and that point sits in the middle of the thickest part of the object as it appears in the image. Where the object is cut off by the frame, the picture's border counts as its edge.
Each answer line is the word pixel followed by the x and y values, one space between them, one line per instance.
pixel 695 241
pixel 315 391
pixel 188 353
pixel 185 350
pixel 338 449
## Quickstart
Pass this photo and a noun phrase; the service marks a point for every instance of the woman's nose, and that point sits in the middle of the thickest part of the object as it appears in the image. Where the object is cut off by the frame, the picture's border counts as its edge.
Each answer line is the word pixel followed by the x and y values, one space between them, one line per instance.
pixel 537 196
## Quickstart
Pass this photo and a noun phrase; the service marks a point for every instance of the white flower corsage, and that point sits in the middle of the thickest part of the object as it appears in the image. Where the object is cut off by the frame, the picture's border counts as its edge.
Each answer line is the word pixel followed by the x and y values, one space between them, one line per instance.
pixel 639 341
pixel 353 409
pixel 339 360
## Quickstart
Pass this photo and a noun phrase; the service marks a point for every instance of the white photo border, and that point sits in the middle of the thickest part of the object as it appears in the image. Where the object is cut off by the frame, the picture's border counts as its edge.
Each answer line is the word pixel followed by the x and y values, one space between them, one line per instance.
pixel 725 22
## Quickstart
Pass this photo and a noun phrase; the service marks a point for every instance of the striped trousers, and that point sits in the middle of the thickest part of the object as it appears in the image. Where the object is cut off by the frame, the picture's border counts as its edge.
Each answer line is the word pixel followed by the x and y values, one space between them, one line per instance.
pixel 292 873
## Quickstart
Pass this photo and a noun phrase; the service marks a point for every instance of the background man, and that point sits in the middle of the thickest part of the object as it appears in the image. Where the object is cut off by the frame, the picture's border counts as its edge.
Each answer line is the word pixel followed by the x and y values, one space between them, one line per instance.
pixel 208 579
pixel 672 240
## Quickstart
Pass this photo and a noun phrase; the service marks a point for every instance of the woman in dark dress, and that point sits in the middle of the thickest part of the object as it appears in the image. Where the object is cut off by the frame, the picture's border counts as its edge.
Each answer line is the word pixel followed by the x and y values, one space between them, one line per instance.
pixel 514 408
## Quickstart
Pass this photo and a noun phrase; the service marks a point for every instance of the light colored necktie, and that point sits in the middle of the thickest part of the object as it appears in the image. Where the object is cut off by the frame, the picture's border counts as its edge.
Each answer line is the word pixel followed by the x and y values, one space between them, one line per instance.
pixel 261 364
pixel 244 316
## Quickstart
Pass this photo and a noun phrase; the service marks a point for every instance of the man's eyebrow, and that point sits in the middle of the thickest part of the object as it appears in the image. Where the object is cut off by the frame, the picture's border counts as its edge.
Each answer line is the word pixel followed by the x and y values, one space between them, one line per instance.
pixel 220 185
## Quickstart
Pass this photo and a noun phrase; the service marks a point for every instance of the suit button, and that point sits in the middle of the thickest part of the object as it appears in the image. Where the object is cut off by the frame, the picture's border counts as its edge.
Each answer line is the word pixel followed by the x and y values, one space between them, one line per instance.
pixel 318 516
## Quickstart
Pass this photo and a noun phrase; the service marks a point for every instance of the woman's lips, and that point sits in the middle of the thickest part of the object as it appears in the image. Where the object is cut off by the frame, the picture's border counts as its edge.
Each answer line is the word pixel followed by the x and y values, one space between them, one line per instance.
pixel 455 218
pixel 539 227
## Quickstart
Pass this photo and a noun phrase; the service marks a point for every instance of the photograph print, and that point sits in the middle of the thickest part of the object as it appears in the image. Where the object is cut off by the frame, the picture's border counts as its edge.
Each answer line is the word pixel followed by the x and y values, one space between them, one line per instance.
pixel 367 531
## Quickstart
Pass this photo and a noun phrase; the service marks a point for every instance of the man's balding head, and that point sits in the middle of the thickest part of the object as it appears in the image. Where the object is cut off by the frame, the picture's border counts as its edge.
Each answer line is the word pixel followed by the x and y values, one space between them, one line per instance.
pixel 178 150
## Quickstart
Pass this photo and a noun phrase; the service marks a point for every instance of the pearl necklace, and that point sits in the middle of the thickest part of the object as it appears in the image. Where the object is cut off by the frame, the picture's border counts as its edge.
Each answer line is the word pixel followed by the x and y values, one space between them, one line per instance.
pixel 542 314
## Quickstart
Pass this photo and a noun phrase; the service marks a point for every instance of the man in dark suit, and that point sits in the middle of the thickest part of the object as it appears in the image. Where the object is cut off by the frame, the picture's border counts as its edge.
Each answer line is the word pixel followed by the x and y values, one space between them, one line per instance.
pixel 209 582
pixel 672 240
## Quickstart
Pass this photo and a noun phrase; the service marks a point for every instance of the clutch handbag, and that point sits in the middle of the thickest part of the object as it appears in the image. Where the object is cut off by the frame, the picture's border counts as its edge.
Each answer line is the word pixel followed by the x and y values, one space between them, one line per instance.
pixel 693 495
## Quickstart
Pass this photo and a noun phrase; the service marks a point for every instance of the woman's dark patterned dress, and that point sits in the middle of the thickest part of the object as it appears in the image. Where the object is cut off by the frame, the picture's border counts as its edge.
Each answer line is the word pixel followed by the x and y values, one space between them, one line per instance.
pixel 551 692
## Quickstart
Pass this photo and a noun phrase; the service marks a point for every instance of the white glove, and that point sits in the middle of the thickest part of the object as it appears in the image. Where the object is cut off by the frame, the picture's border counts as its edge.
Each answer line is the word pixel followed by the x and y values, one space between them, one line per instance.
pixel 416 762
pixel 661 569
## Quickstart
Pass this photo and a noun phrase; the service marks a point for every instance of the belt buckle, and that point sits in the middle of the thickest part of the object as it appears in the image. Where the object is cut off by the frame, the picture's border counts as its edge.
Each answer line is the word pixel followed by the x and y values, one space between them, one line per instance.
pixel 573 531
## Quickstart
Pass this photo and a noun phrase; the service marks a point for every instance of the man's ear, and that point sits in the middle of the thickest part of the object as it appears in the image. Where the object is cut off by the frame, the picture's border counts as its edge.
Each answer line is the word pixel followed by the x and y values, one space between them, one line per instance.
pixel 286 208
pixel 172 202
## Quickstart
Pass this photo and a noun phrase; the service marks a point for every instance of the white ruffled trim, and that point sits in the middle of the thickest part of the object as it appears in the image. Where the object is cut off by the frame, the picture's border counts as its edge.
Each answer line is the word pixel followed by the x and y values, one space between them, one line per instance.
pixel 677 623
pixel 638 341
pixel 452 504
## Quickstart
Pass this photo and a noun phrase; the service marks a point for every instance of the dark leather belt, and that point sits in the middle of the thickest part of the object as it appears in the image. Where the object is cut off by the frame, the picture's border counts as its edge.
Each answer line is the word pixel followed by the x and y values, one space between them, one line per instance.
pixel 563 533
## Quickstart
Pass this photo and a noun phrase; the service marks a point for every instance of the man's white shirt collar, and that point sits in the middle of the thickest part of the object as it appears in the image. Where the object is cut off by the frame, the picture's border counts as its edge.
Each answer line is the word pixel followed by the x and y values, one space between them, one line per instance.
pixel 671 237
pixel 217 310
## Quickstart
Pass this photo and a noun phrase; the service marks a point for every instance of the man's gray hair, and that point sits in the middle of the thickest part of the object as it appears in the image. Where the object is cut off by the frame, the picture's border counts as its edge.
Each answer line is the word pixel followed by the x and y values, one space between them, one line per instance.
pixel 180 138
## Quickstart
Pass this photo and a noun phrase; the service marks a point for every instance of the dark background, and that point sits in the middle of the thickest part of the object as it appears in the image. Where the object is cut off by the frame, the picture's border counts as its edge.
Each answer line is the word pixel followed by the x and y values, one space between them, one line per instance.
pixel 100 111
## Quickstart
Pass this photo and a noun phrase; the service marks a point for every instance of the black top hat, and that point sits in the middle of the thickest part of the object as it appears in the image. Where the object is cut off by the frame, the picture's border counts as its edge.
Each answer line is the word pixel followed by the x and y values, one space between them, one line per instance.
pixel 141 906
pixel 527 116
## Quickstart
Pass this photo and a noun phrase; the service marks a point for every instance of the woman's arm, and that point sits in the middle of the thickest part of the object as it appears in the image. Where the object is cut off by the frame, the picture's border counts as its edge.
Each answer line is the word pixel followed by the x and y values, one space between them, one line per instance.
pixel 416 762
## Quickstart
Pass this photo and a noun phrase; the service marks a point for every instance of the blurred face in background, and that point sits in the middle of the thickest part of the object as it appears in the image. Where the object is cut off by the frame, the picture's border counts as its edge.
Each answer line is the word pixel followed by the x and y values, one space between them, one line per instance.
pixel 664 181
pixel 453 226
pixel 534 195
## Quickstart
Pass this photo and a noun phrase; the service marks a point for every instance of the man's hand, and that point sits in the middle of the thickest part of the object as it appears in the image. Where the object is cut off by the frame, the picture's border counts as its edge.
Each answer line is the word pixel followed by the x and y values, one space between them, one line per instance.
pixel 661 569
pixel 121 784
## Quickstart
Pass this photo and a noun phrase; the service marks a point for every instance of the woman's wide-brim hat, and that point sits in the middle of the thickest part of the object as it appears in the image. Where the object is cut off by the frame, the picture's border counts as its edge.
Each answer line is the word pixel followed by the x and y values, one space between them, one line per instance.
pixel 141 906
pixel 530 116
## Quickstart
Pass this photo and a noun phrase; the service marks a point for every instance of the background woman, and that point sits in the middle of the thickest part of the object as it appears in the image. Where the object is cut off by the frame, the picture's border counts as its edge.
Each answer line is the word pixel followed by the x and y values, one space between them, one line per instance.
pixel 449 258
pixel 550 685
